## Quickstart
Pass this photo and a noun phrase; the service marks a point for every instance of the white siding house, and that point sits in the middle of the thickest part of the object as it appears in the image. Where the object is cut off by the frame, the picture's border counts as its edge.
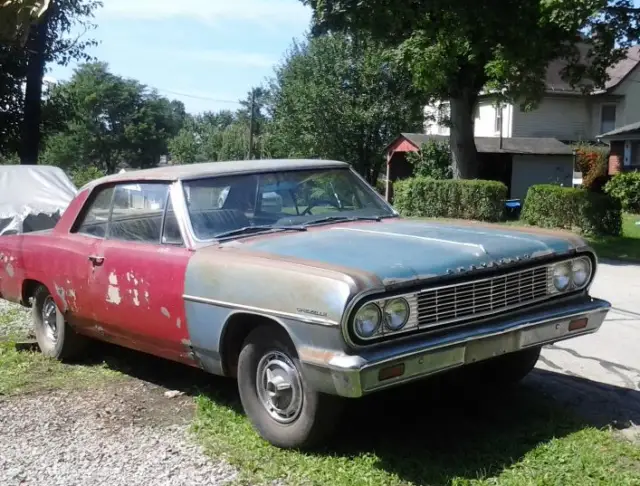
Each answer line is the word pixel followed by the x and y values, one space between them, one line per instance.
pixel 563 113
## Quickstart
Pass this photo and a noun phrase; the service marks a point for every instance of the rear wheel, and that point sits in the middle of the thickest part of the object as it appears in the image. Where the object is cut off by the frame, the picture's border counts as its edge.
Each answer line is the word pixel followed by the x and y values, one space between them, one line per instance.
pixel 55 337
pixel 279 403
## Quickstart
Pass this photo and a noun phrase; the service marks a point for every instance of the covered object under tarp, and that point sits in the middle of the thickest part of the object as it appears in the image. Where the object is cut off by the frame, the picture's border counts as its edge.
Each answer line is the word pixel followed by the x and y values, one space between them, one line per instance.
pixel 32 197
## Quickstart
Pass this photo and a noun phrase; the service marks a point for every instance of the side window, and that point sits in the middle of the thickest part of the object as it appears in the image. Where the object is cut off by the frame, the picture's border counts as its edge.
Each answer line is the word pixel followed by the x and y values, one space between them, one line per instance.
pixel 97 216
pixel 137 213
pixel 171 234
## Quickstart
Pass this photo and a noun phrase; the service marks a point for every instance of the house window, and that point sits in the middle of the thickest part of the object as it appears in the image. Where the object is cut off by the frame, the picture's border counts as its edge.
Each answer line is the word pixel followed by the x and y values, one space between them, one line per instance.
pixel 607 118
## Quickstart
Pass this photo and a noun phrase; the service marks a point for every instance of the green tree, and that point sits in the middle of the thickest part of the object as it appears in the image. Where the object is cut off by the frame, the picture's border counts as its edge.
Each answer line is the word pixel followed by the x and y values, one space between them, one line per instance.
pixel 457 48
pixel 340 97
pixel 432 160
pixel 112 120
pixel 223 135
pixel 47 41
pixel 17 16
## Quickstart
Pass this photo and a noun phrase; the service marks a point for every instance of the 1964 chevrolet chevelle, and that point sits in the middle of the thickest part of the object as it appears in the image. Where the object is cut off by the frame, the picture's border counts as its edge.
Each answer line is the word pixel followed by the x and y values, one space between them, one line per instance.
pixel 326 294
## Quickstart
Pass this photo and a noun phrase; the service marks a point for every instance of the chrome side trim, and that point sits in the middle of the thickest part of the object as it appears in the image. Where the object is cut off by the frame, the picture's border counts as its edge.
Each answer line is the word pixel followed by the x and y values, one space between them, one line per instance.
pixel 258 310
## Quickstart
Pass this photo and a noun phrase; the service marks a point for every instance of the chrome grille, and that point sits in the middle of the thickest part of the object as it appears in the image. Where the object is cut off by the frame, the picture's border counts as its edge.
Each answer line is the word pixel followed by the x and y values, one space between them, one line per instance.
pixel 481 297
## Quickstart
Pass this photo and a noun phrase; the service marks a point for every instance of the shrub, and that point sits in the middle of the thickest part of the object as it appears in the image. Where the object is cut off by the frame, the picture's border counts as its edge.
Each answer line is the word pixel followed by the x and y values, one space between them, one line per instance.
pixel 626 188
pixel 593 162
pixel 432 160
pixel 590 213
pixel 467 199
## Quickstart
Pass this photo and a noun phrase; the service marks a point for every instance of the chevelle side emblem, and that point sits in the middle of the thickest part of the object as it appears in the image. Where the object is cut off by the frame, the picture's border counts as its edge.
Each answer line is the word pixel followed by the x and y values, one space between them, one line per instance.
pixel 312 312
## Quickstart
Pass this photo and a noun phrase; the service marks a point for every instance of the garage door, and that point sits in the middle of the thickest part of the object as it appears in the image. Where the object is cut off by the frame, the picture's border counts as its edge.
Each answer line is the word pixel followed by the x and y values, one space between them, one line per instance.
pixel 529 170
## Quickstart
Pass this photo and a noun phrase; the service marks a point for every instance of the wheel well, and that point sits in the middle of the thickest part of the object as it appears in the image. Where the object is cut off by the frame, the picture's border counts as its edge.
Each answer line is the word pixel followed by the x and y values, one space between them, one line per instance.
pixel 235 332
pixel 29 288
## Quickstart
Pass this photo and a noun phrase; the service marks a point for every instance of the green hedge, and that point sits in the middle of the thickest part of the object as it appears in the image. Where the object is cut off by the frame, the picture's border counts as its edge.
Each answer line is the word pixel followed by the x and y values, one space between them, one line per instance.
pixel 590 213
pixel 467 199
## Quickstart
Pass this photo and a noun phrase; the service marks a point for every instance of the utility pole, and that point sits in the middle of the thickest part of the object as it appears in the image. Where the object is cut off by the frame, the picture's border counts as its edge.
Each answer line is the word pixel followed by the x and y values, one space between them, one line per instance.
pixel 253 109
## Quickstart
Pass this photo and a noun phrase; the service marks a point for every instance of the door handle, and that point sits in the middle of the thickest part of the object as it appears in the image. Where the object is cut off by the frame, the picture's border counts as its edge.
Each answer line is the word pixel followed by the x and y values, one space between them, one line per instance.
pixel 96 260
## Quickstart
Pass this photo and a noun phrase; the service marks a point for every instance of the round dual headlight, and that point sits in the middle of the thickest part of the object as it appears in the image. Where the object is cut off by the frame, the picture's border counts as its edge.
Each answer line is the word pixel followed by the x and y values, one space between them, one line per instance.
pixel 562 276
pixel 396 314
pixel 581 271
pixel 367 321
pixel 576 272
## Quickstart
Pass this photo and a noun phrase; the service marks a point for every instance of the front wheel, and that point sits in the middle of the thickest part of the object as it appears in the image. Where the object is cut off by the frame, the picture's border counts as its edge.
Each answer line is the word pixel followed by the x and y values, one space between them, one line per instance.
pixel 279 403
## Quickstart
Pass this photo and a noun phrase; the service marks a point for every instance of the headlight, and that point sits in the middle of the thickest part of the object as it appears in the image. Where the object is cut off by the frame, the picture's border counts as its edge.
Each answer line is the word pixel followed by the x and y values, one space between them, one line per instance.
pixel 562 276
pixel 581 270
pixel 367 321
pixel 396 314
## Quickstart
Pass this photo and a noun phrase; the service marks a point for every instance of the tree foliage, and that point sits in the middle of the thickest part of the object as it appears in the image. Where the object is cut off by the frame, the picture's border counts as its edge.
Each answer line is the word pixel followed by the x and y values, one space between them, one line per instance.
pixel 17 61
pixel 340 97
pixel 212 137
pixel 111 121
pixel 432 160
pixel 16 16
pixel 454 49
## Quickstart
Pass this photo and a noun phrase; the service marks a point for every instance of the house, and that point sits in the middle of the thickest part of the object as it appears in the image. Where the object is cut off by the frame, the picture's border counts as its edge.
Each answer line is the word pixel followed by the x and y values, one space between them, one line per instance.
pixel 624 145
pixel 564 113
pixel 518 162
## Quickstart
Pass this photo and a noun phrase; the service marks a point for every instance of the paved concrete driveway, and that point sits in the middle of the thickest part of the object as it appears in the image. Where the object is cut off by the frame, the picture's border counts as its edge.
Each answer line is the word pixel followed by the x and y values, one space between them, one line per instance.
pixel 600 374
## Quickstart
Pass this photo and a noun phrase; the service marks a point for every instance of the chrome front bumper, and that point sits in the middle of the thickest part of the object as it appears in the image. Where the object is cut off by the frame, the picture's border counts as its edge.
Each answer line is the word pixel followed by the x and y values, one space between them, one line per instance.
pixel 360 374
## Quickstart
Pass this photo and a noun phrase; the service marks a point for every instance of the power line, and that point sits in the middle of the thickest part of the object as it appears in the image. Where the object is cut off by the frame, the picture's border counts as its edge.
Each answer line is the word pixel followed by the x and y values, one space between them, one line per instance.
pixel 206 98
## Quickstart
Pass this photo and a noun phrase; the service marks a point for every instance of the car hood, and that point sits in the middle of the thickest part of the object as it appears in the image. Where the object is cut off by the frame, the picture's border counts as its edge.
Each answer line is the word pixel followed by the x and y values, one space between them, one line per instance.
pixel 398 251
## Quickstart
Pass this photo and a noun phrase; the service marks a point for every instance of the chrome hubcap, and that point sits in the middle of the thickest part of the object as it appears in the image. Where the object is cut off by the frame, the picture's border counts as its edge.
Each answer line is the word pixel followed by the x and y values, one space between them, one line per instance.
pixel 279 387
pixel 49 315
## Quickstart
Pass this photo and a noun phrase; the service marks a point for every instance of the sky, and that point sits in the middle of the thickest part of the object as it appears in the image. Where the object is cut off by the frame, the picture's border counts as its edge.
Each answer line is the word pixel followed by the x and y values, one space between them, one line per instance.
pixel 206 53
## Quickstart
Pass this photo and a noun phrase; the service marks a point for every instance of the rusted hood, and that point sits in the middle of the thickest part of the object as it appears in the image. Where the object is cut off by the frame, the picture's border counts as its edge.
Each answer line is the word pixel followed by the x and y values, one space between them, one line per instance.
pixel 399 251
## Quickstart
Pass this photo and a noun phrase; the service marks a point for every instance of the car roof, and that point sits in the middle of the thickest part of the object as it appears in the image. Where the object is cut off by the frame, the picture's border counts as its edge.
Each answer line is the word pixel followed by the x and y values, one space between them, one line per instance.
pixel 209 169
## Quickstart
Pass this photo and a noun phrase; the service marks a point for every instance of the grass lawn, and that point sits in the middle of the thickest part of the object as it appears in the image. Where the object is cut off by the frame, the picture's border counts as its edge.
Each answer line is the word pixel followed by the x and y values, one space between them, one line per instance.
pixel 415 437
pixel 626 247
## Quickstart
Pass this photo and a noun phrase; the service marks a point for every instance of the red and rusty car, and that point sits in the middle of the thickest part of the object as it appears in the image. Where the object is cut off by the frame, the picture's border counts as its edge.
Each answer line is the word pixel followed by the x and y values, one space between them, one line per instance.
pixel 326 294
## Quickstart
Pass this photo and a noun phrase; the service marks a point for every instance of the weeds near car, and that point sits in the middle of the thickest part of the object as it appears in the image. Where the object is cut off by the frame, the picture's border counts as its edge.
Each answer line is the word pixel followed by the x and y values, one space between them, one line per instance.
pixel 29 371
pixel 410 437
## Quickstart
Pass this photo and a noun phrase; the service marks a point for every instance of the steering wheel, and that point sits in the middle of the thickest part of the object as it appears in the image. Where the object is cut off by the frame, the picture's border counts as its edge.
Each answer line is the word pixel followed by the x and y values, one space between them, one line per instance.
pixel 316 202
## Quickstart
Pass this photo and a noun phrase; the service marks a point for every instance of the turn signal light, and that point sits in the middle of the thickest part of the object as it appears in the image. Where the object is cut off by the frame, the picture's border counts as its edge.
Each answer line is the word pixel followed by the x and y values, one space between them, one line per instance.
pixel 578 324
pixel 391 372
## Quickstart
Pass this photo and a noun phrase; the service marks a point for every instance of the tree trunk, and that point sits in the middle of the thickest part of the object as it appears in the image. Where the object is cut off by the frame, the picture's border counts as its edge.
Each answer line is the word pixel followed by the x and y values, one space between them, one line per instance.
pixel 463 145
pixel 31 136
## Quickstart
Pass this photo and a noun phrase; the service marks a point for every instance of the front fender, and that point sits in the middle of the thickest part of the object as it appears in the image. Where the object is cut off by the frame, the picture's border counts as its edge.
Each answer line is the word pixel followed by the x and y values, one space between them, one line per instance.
pixel 308 302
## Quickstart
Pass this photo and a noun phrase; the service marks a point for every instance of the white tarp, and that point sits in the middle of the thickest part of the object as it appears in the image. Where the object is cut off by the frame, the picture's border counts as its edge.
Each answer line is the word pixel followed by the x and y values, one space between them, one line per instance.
pixel 32 197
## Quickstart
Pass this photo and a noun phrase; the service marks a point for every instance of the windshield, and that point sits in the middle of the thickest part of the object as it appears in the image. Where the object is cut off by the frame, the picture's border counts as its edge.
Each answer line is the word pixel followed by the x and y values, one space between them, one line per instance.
pixel 278 200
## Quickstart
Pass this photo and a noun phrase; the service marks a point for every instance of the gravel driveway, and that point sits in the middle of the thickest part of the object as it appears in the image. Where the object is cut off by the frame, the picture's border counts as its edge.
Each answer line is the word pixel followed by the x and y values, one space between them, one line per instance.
pixel 127 434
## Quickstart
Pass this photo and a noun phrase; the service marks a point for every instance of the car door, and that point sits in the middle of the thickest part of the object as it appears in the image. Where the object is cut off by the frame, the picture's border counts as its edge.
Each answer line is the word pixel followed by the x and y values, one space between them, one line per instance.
pixel 138 275
pixel 71 263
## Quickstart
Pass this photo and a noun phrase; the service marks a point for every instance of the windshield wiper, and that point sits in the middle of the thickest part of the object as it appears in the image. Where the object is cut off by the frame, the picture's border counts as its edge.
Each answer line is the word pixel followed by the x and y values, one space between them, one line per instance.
pixel 329 219
pixel 258 228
